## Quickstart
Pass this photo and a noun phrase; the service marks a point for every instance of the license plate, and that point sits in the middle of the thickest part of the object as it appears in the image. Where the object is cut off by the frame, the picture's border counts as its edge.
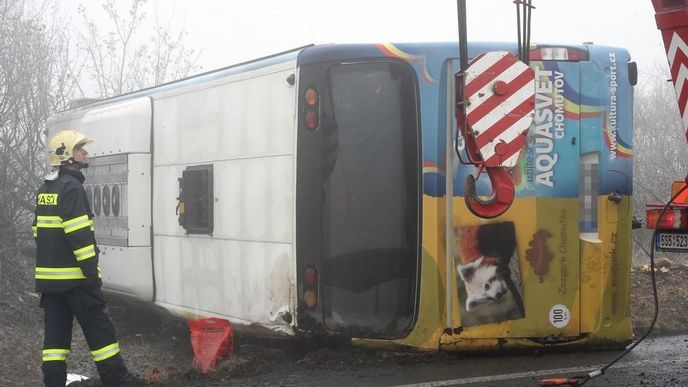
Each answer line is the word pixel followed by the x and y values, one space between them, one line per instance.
pixel 671 242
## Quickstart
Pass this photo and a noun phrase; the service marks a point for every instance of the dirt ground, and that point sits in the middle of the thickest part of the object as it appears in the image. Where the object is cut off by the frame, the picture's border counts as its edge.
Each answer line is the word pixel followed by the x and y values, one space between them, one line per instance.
pixel 157 346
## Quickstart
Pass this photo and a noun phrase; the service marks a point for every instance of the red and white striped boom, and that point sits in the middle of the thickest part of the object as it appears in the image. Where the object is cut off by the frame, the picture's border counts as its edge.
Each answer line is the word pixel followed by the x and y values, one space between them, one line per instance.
pixel 672 19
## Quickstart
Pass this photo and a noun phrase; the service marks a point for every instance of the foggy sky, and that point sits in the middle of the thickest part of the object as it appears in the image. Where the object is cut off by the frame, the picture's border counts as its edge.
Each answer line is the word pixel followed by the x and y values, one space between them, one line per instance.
pixel 231 31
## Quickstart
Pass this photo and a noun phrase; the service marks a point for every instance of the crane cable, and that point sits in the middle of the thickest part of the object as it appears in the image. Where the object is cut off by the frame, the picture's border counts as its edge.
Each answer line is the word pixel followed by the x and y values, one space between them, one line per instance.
pixel 524 32
pixel 523 35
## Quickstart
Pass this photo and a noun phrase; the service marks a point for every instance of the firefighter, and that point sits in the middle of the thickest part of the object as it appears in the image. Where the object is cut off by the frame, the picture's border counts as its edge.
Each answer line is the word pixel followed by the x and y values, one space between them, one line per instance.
pixel 67 273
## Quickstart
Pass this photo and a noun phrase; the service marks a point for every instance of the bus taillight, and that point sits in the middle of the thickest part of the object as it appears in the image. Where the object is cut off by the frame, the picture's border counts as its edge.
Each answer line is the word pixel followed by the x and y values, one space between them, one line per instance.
pixel 310 277
pixel 311 97
pixel 310 287
pixel 311 119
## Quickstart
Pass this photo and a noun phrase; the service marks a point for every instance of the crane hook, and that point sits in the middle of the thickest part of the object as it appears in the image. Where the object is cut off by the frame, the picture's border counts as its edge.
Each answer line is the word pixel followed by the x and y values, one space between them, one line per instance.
pixel 500 199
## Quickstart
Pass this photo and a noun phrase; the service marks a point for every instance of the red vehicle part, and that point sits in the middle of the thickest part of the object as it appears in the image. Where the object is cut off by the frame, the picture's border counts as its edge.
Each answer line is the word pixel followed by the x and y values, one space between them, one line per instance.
pixel 503 193
pixel 672 19
pixel 676 216
pixel 498 106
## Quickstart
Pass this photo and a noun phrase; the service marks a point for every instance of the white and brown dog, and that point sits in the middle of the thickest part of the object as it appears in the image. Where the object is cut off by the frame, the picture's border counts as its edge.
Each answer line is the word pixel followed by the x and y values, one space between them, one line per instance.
pixel 483 275
pixel 483 281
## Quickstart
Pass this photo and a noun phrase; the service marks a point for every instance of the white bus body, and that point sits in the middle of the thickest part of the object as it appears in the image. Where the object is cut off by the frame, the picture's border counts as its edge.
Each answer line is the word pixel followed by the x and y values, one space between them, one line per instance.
pixel 243 124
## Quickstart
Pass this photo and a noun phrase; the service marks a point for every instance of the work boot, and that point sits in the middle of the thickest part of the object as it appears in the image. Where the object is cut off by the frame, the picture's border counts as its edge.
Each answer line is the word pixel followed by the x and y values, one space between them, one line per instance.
pixel 133 381
pixel 130 380
pixel 113 373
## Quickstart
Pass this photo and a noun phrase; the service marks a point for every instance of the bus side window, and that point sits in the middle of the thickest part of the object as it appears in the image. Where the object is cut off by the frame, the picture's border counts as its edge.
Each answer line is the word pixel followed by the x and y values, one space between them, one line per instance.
pixel 195 201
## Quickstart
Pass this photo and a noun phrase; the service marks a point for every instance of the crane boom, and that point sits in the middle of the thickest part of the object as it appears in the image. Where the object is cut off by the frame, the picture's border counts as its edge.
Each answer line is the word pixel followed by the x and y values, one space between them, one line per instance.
pixel 672 19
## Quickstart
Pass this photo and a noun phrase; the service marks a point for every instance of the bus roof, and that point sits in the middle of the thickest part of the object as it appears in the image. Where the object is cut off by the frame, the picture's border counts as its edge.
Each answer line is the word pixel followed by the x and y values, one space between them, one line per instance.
pixel 314 53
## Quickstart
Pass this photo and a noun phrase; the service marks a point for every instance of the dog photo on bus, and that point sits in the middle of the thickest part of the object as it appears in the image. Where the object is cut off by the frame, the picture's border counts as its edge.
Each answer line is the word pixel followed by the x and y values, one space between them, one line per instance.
pixel 488 275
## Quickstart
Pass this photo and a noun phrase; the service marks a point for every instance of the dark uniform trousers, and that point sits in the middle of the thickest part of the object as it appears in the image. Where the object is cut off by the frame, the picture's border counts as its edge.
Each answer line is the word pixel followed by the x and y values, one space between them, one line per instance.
pixel 88 306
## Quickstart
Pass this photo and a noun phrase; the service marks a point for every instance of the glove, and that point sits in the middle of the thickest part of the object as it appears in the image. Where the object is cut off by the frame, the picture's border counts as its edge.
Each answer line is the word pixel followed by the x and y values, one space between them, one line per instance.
pixel 93 282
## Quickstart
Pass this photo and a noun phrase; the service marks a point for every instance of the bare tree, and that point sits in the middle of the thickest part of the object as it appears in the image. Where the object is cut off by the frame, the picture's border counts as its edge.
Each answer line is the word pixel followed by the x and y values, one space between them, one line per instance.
pixel 660 151
pixel 40 73
pixel 661 155
pixel 117 63
pixel 35 80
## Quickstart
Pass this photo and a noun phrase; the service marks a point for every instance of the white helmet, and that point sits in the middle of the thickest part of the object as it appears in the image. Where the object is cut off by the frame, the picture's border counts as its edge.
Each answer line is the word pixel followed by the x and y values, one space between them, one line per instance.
pixel 61 147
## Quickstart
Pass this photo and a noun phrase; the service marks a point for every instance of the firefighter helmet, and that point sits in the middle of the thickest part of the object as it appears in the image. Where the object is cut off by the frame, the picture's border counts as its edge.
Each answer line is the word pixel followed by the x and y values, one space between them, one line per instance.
pixel 61 147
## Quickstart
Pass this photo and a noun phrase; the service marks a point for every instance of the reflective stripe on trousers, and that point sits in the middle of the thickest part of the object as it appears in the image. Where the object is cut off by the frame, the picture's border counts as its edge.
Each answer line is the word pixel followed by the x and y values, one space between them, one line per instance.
pixel 55 354
pixel 105 352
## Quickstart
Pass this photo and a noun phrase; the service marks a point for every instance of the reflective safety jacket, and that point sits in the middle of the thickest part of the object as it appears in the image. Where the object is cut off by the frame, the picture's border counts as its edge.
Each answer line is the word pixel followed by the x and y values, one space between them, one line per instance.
pixel 66 250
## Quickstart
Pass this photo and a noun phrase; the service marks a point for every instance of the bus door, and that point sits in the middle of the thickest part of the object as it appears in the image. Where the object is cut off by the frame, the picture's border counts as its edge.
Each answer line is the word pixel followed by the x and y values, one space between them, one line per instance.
pixel 357 209
pixel 518 275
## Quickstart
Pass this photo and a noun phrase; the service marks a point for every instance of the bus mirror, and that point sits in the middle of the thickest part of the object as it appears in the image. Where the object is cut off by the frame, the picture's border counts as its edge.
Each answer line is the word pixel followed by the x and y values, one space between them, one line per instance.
pixel 632 73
